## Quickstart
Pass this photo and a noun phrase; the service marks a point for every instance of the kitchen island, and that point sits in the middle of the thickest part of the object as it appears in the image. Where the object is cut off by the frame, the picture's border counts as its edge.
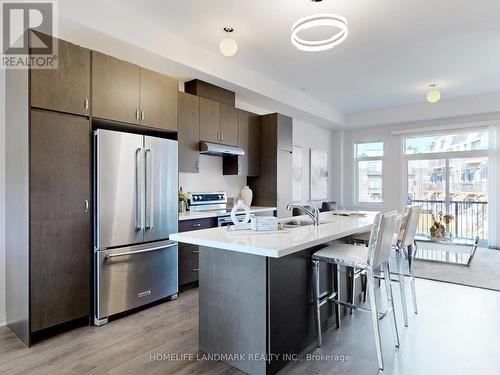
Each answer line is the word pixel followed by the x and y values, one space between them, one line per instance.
pixel 255 296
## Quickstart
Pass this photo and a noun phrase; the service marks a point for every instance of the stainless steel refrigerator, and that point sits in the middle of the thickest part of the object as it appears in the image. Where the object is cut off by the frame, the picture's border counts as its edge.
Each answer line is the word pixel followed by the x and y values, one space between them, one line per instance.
pixel 136 195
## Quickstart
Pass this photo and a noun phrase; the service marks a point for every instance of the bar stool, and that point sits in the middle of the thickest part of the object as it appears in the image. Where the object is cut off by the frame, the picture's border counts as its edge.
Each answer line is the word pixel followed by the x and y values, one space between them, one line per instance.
pixel 367 259
pixel 404 248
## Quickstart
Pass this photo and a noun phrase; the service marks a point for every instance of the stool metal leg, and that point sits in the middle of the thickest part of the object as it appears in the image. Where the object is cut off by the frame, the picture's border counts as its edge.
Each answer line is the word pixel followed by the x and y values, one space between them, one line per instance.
pixel 412 277
pixel 337 306
pixel 316 294
pixel 402 287
pixel 390 301
pixel 363 278
pixel 373 312
pixel 353 287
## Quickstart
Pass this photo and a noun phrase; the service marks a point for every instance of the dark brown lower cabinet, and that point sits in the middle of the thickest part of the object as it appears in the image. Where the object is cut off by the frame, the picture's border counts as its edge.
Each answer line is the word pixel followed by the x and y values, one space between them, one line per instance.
pixel 188 254
pixel 60 218
pixel 188 263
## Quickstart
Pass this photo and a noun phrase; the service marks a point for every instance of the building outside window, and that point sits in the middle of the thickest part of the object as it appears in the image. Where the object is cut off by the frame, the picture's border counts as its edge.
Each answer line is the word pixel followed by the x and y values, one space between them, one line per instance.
pixel 368 172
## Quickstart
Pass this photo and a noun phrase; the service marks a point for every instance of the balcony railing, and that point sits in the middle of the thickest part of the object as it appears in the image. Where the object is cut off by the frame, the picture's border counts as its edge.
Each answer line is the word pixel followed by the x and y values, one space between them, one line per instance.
pixel 470 217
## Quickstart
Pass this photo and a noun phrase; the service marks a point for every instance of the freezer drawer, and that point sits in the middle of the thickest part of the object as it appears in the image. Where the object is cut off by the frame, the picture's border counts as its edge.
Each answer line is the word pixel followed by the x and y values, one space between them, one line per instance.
pixel 134 276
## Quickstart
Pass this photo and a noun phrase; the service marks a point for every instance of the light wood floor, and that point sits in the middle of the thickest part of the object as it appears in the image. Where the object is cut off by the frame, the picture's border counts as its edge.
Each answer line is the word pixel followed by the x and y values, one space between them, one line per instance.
pixel 123 346
pixel 457 331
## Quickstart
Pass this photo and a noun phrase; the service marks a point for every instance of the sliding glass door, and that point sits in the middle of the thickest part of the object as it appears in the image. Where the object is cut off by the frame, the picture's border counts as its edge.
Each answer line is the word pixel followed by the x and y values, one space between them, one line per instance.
pixel 448 174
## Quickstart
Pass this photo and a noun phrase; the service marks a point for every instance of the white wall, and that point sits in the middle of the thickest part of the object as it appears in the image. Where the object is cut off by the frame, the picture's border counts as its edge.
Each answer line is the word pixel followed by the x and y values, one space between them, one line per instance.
pixel 309 136
pixel 2 197
pixel 210 178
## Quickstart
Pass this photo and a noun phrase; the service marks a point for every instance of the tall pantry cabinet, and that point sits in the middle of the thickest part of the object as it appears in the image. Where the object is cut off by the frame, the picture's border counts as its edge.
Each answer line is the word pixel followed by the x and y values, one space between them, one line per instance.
pixel 48 194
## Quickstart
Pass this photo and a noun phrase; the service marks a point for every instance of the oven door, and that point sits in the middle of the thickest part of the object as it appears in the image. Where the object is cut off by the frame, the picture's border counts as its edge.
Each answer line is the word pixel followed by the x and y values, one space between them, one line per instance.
pixel 224 221
pixel 133 276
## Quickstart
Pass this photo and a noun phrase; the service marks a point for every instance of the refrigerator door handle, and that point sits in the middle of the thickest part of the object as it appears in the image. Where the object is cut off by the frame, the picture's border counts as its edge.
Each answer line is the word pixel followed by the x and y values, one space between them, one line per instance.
pixel 139 190
pixel 149 188
pixel 140 251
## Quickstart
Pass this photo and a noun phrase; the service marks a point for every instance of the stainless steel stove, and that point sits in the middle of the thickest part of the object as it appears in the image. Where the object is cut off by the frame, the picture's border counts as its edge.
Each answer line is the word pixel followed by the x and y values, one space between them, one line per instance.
pixel 215 202
pixel 208 201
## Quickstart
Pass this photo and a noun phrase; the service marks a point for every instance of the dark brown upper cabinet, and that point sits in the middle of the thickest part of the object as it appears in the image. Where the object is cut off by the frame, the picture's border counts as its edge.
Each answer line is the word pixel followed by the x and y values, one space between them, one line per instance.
pixel 115 89
pixel 67 88
pixel 228 125
pixel 272 187
pixel 158 100
pixel 209 120
pixel 124 92
pixel 209 91
pixel 60 218
pixel 218 122
pixel 189 132
pixel 249 140
pixel 284 124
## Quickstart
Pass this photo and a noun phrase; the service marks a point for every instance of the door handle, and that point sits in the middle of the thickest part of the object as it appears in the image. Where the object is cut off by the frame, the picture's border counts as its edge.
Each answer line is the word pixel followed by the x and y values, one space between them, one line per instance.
pixel 196 251
pixel 139 251
pixel 149 189
pixel 86 205
pixel 139 191
pixel 196 269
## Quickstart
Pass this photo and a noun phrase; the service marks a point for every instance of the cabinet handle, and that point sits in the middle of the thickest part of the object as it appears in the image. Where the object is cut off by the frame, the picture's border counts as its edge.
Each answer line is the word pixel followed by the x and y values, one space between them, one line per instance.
pixel 86 104
pixel 197 225
pixel 222 136
pixel 143 116
pixel 86 205
pixel 137 114
pixel 196 251
pixel 196 269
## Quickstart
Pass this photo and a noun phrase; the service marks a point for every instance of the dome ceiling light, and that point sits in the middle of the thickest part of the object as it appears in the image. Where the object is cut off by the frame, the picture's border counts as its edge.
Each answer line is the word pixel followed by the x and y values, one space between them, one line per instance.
pixel 315 21
pixel 228 46
pixel 434 95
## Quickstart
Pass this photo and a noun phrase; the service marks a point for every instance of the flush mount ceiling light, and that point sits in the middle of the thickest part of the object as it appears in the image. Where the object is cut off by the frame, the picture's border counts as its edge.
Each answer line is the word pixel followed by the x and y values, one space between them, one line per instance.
pixel 228 46
pixel 434 95
pixel 318 20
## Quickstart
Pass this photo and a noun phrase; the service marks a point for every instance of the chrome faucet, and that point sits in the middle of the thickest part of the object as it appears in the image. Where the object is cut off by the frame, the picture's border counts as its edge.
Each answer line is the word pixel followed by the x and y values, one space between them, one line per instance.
pixel 313 213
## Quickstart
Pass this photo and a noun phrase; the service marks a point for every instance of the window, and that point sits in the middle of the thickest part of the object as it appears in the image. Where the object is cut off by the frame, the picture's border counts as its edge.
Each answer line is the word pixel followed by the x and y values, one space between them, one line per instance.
pixel 448 173
pixel 369 165
pixel 447 143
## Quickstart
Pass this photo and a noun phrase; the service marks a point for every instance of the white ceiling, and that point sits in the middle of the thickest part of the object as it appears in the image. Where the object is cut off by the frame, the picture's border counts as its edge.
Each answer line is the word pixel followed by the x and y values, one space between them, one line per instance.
pixel 395 48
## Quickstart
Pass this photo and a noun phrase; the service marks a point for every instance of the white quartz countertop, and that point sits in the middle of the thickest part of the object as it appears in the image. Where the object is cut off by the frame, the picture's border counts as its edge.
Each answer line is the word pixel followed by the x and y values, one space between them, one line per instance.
pixel 276 245
pixel 190 215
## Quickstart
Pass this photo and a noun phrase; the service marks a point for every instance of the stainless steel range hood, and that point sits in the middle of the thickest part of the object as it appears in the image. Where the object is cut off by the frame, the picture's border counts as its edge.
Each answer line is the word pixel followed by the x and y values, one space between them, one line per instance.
pixel 209 148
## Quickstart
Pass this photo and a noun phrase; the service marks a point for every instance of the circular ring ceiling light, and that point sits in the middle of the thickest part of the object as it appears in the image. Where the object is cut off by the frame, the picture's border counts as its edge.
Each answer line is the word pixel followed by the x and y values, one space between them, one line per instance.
pixel 318 20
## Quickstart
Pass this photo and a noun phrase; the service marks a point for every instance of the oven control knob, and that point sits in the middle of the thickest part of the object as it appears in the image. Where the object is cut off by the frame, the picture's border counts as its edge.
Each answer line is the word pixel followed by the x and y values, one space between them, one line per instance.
pixel 220 196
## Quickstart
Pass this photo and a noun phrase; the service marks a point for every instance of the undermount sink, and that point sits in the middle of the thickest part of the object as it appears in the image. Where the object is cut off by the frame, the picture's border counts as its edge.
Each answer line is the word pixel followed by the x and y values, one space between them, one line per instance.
pixel 296 223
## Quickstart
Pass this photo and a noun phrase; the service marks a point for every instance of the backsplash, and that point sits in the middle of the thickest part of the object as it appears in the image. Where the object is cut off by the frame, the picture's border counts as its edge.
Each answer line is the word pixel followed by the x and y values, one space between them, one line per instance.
pixel 210 178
